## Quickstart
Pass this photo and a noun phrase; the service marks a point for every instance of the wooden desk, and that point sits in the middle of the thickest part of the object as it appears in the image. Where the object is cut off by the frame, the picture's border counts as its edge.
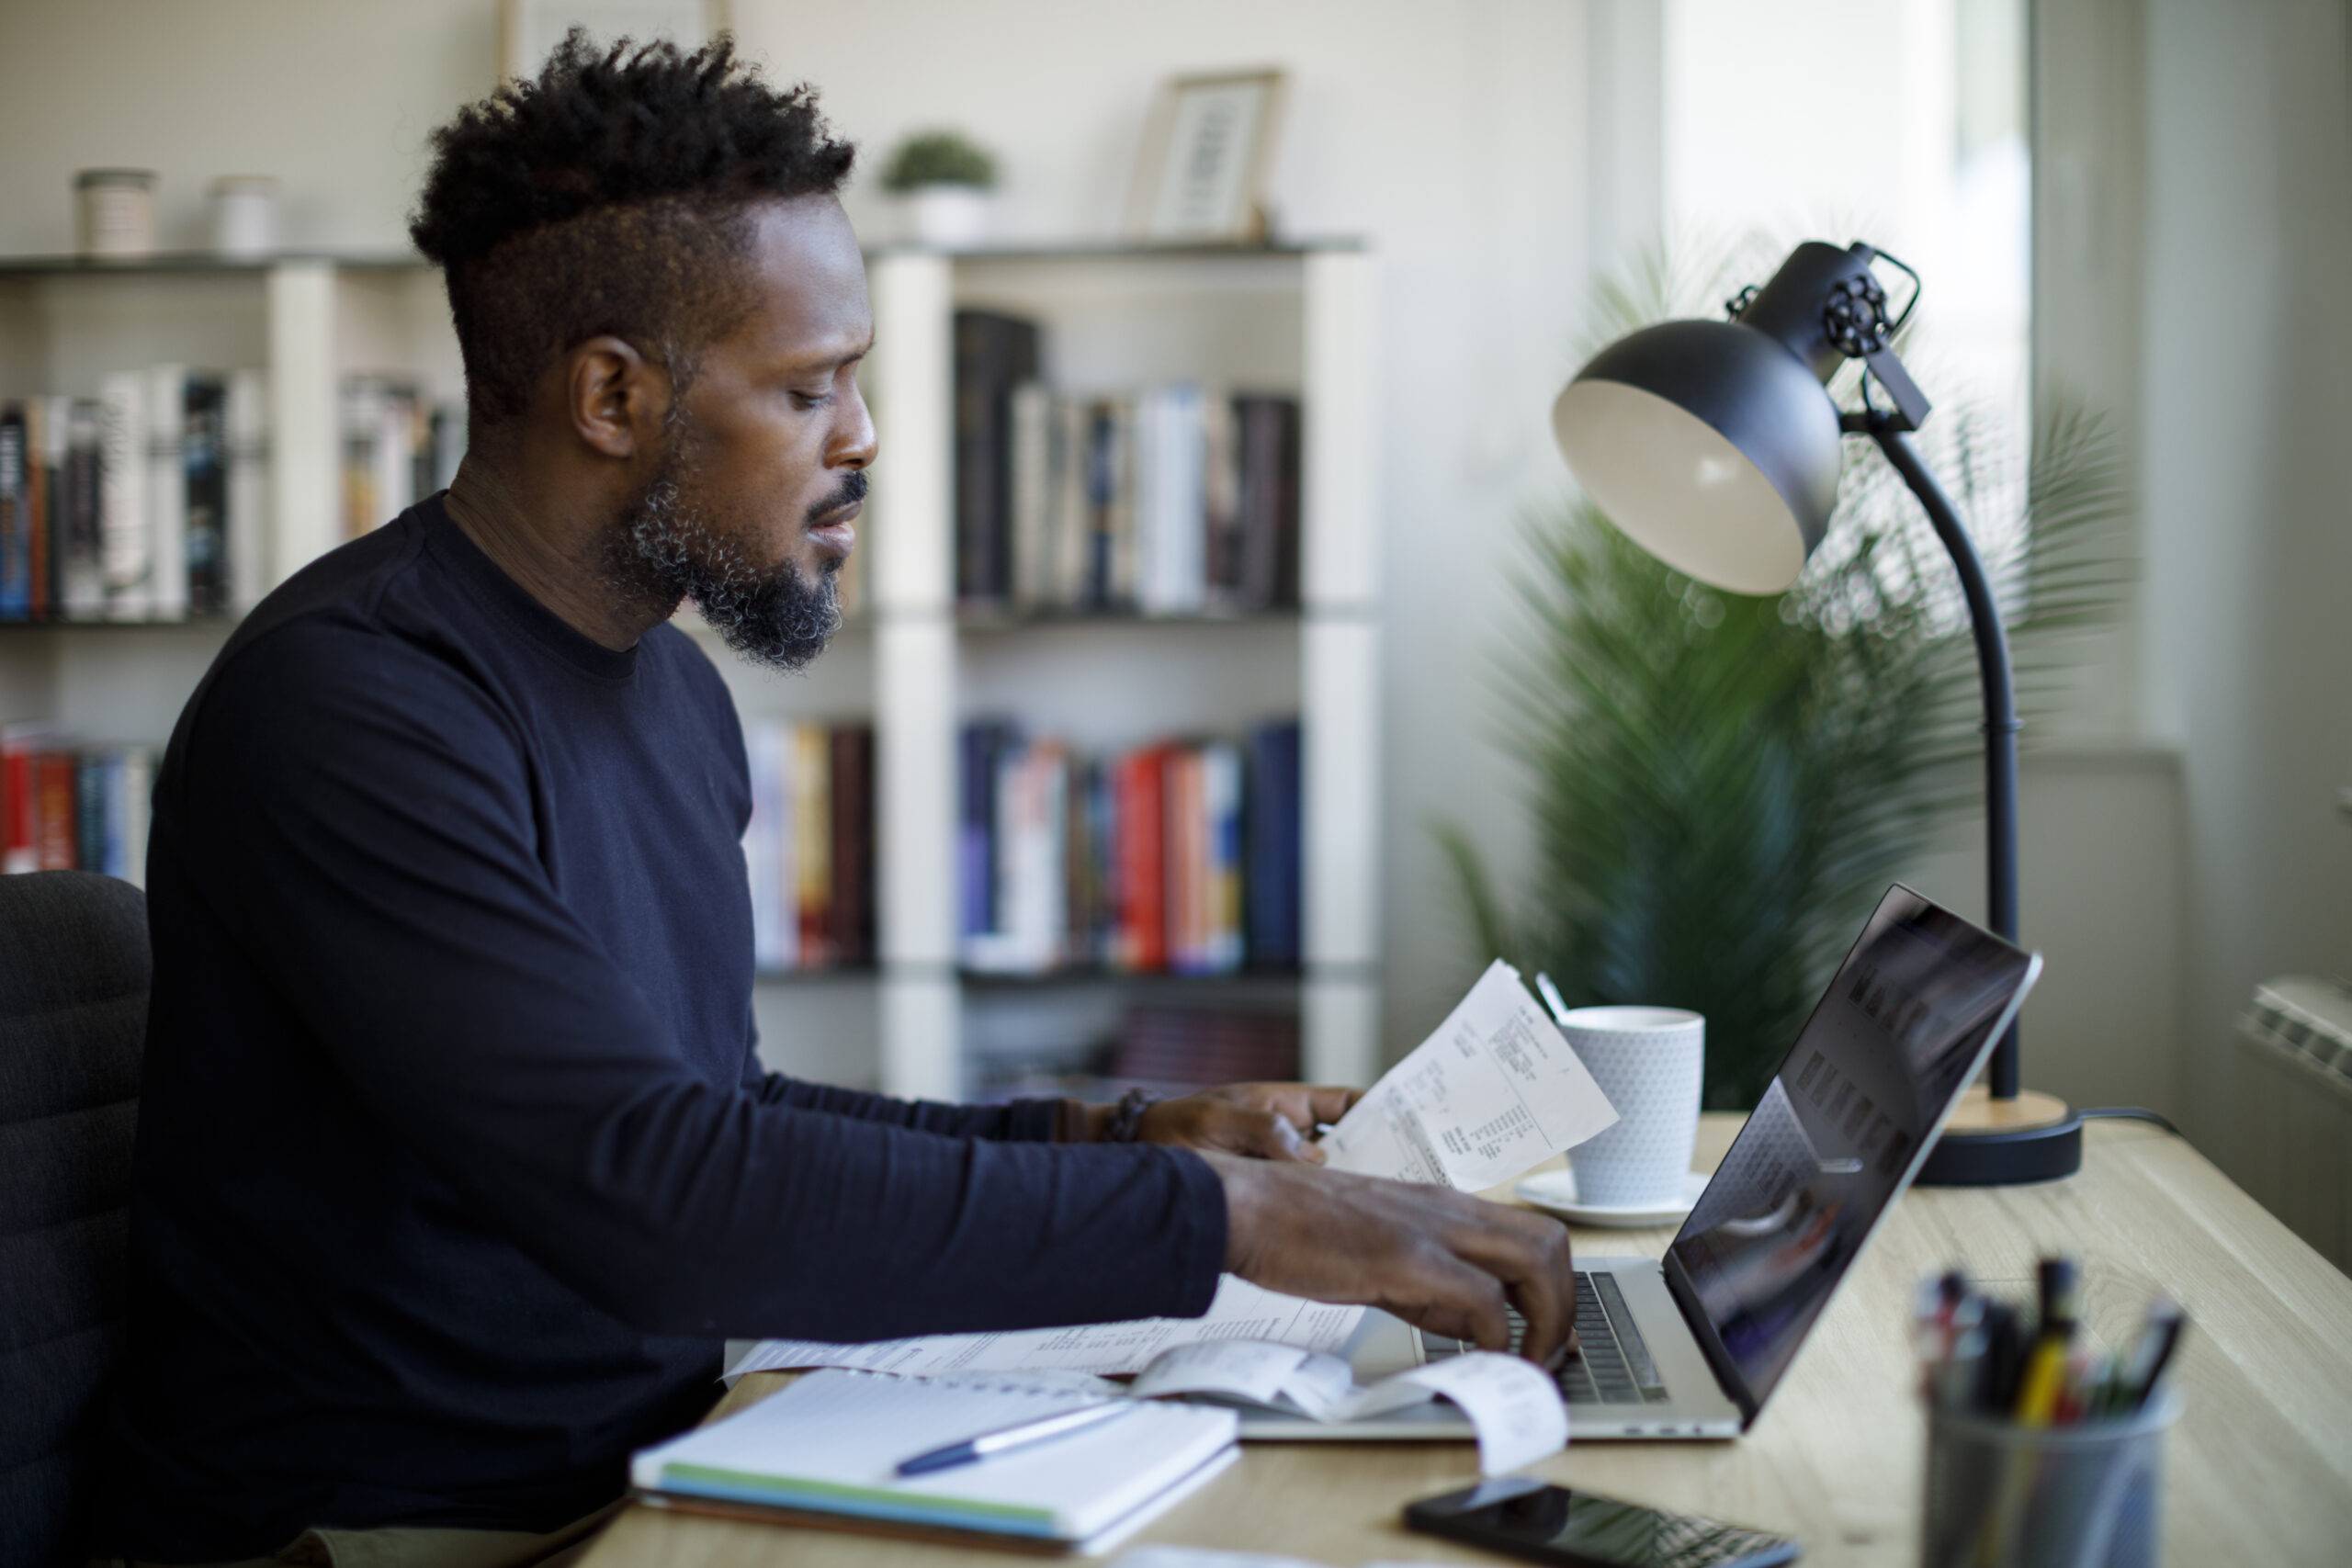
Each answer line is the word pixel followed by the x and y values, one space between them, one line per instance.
pixel 2259 1470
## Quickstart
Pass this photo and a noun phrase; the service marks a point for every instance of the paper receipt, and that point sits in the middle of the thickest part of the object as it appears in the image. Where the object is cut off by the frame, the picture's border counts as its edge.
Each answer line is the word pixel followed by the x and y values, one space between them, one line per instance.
pixel 1494 1092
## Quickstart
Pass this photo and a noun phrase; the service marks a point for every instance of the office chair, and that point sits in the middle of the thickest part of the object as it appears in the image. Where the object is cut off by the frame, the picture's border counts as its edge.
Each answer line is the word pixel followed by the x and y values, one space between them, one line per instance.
pixel 73 974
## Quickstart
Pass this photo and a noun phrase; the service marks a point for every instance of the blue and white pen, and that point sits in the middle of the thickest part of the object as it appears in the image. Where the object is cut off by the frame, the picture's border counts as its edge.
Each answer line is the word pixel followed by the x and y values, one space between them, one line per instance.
pixel 1005 1440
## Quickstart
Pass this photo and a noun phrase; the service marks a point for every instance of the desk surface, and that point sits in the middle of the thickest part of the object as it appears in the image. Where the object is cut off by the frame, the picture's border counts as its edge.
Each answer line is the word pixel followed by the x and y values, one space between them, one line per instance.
pixel 2258 1471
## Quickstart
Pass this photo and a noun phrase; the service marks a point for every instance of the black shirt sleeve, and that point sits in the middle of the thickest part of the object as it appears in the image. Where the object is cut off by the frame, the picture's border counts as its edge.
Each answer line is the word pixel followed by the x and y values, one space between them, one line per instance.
pixel 379 809
pixel 1023 1121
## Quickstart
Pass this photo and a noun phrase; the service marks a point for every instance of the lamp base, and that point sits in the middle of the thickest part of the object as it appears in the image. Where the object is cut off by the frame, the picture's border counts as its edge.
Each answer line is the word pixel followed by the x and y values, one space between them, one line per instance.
pixel 2005 1142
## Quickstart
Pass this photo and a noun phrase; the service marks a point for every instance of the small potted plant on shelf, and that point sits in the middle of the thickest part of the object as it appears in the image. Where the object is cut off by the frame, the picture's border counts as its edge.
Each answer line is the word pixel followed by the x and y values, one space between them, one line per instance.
pixel 942 180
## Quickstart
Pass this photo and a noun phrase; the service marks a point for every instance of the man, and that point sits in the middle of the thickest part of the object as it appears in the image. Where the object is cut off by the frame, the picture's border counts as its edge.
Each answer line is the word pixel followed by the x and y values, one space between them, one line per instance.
pixel 455 1162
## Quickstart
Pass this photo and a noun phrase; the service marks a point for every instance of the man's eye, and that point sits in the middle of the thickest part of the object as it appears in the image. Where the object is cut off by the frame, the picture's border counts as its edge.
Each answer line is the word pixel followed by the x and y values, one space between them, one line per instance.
pixel 810 399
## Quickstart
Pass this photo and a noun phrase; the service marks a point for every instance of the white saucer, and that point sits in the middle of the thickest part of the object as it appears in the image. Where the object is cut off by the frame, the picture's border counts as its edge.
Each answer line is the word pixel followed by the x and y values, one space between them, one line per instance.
pixel 1555 1192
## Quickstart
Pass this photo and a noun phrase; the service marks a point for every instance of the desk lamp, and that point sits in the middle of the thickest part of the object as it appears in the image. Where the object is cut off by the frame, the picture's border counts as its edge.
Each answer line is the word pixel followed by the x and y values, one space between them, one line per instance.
pixel 1716 447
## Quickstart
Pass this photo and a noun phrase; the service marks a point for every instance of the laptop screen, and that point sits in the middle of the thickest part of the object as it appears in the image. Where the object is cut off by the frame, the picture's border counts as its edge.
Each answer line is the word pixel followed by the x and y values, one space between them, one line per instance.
pixel 1886 1052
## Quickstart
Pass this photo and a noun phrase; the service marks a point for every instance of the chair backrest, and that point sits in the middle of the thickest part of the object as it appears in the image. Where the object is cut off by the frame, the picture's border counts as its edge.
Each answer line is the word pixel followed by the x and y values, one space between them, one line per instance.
pixel 73 974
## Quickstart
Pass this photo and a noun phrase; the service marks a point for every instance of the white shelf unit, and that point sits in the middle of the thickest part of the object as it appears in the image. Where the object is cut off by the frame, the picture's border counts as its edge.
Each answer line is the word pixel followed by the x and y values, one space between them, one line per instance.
pixel 308 321
pixel 1295 320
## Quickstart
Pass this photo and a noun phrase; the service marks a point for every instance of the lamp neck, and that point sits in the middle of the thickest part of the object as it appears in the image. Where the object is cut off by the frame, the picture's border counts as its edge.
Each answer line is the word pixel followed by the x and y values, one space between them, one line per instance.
pixel 2001 724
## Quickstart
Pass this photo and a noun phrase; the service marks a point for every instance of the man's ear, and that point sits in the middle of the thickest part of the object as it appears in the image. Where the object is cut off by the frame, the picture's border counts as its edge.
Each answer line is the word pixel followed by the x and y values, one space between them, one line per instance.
pixel 614 398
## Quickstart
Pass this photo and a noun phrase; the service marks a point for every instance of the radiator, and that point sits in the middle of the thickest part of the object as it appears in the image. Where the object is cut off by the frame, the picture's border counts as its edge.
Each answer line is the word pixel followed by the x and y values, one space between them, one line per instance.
pixel 2295 1109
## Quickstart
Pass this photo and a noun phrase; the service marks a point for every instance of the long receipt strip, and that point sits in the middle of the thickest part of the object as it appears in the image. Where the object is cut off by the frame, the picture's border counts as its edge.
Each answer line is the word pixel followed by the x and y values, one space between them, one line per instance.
pixel 1241 1311
pixel 1513 1404
pixel 1495 1091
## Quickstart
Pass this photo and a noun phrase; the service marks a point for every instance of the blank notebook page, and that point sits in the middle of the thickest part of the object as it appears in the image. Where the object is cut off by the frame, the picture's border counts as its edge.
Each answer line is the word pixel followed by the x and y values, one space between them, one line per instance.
pixel 831 1443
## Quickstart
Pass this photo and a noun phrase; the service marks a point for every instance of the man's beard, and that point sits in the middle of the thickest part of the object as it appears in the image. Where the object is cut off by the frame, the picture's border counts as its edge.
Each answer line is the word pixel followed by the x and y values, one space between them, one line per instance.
pixel 664 548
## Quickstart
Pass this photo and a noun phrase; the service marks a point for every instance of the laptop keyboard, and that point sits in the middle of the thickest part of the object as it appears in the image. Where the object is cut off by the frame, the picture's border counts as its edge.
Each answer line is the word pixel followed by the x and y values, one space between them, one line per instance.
pixel 1612 1367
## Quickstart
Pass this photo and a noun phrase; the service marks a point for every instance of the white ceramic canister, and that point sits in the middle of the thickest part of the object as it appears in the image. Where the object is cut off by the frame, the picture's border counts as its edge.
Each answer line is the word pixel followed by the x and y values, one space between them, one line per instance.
pixel 113 213
pixel 244 216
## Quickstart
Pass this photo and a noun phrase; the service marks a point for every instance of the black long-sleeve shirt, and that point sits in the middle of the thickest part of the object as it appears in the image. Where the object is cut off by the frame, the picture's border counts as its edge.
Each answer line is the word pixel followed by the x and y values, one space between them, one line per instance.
pixel 455 1162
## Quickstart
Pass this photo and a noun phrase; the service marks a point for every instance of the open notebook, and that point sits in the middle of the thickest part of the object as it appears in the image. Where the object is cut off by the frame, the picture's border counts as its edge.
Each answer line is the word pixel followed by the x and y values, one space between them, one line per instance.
pixel 826 1450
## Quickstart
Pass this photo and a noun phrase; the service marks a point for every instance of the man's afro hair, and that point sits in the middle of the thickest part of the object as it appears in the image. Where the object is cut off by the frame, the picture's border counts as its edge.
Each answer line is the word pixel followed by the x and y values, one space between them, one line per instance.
pixel 601 197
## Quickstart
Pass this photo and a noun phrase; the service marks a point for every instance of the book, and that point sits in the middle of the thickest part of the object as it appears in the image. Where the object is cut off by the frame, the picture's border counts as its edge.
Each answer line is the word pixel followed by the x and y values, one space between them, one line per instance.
pixel 1170 533
pixel 167 498
pixel 812 842
pixel 245 420
pixel 827 1448
pixel 1271 847
pixel 45 421
pixel 994 354
pixel 1032 496
pixel 1268 489
pixel 78 513
pixel 1142 881
pixel 19 799
pixel 17 521
pixel 55 788
pixel 203 480
pixel 126 527
pixel 93 814
pixel 776 934
pixel 852 927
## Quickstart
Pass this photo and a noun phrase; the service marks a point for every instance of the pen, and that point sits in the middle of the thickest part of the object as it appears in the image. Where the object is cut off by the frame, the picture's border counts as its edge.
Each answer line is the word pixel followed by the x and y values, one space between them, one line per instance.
pixel 971 1451
pixel 2045 1370
pixel 1551 998
pixel 2157 1342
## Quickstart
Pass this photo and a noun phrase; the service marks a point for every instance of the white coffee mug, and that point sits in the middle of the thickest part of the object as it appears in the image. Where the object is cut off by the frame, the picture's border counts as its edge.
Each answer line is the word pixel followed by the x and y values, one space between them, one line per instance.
pixel 1650 1063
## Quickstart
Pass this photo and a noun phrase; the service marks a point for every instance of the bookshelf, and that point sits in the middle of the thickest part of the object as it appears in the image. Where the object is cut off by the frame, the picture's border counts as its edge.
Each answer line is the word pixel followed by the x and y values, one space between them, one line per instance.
pixel 1289 319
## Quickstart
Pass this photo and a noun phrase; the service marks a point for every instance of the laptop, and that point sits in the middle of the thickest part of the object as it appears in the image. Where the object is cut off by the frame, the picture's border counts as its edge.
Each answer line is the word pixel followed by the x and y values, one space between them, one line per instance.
pixel 1693 1345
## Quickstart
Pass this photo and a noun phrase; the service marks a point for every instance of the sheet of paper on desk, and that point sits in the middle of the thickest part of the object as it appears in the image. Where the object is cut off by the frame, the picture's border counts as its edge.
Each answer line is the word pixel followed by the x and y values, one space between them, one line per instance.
pixel 1514 1405
pixel 1241 1311
pixel 1494 1092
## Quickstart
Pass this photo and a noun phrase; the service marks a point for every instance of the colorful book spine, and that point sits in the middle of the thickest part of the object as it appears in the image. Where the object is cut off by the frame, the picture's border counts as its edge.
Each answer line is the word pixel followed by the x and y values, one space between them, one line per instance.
pixel 1142 864
pixel 81 555
pixel 812 842
pixel 1271 839
pixel 17 524
pixel 204 486
pixel 851 929
pixel 19 799
pixel 45 423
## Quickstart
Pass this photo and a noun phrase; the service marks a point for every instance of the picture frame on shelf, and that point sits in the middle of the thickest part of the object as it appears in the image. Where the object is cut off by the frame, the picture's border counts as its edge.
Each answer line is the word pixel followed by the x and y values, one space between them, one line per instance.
pixel 528 31
pixel 1207 148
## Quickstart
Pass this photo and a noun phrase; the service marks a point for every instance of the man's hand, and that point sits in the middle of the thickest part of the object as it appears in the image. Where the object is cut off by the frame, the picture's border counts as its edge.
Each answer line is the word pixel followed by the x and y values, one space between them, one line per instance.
pixel 1262 1120
pixel 1443 1260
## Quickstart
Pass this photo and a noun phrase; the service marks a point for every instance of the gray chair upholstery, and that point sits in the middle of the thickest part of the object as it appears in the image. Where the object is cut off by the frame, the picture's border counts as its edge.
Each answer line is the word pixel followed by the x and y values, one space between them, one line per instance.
pixel 73 974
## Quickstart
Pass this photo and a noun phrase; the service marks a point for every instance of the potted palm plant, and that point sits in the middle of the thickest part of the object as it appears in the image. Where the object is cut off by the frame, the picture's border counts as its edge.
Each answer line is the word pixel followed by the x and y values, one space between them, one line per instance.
pixel 942 180
pixel 1722 786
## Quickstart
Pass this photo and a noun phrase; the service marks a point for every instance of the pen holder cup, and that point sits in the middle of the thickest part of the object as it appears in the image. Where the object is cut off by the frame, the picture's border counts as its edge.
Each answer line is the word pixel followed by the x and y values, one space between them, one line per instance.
pixel 2002 1495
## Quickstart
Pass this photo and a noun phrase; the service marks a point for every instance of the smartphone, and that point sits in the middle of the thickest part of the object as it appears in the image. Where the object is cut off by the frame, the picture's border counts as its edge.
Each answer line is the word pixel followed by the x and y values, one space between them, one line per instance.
pixel 1551 1524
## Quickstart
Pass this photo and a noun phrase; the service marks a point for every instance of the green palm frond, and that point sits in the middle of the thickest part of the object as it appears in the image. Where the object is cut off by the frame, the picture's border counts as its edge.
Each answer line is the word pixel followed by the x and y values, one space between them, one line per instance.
pixel 1721 786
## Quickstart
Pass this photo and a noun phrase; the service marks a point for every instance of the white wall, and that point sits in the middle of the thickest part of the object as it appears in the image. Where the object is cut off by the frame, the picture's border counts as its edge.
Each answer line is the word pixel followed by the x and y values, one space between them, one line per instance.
pixel 2247 476
pixel 1450 133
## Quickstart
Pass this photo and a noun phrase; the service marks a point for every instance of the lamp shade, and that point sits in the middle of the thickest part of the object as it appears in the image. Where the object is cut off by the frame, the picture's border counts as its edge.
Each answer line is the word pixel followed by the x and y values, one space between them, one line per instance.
pixel 1711 444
